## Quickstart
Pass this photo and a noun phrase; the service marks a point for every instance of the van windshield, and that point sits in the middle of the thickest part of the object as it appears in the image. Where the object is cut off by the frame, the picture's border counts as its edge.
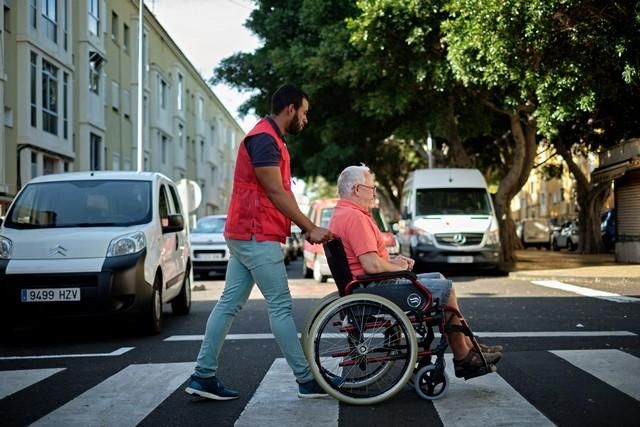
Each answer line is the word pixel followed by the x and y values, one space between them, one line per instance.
pixel 452 201
pixel 92 203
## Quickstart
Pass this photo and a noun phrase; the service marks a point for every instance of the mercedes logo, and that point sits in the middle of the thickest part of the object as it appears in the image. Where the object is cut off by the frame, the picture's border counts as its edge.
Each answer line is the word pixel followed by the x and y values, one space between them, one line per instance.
pixel 459 239
pixel 58 250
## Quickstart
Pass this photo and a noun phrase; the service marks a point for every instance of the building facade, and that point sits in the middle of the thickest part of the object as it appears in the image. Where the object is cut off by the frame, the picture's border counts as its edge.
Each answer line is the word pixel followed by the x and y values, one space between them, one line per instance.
pixel 69 85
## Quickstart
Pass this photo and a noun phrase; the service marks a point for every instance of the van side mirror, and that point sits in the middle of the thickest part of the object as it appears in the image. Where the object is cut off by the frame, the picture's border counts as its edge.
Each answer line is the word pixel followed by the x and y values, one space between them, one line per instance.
pixel 175 223
pixel 405 213
pixel 1 221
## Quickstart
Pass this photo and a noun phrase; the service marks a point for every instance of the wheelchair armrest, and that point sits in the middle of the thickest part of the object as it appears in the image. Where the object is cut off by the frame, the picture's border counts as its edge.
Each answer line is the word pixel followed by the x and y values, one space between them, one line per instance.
pixel 387 275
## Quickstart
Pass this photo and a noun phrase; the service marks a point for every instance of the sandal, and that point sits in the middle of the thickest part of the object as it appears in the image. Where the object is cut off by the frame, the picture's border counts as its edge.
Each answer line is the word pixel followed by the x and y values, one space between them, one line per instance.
pixel 491 348
pixel 473 366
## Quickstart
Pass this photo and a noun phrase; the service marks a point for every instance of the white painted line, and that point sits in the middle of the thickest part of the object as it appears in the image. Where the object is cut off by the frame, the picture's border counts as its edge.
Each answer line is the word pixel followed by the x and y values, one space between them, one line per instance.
pixel 123 399
pixel 276 403
pixel 588 292
pixel 488 400
pixel 14 381
pixel 543 334
pixel 616 368
pixel 118 352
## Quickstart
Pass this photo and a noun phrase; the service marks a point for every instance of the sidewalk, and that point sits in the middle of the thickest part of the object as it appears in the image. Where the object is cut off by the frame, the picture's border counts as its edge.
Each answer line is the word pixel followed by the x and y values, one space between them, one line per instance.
pixel 542 264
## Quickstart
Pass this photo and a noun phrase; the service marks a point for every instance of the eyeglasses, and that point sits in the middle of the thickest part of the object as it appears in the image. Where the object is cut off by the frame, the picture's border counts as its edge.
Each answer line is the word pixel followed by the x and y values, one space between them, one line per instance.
pixel 370 187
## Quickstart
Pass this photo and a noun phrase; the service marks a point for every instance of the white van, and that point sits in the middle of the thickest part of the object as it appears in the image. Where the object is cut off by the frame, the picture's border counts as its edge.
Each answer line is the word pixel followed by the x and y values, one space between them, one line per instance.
pixel 448 219
pixel 95 243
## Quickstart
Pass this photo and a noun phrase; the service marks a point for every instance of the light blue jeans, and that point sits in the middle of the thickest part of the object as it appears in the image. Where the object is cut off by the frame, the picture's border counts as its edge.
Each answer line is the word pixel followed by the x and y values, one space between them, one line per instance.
pixel 261 263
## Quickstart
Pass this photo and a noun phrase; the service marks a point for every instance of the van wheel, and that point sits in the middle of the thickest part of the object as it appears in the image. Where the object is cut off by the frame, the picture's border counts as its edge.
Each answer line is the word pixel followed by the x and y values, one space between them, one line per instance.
pixel 152 318
pixel 317 274
pixel 306 273
pixel 571 246
pixel 181 305
pixel 554 245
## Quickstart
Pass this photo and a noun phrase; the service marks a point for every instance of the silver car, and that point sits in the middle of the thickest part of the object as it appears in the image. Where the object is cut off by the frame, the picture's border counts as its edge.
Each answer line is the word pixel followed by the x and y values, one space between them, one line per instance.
pixel 210 251
pixel 565 237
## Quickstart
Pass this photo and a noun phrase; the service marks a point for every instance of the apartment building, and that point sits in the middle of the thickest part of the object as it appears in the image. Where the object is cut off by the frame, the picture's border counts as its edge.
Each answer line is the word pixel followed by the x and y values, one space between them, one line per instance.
pixel 69 84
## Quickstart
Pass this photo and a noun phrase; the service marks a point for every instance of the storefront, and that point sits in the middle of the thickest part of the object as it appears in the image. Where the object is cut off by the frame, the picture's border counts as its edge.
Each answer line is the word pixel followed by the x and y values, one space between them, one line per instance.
pixel 622 164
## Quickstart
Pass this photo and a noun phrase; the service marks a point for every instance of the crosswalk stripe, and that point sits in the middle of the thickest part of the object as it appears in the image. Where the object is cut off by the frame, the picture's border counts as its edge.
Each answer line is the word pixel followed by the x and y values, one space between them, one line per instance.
pixel 276 404
pixel 14 381
pixel 486 400
pixel 123 399
pixel 543 334
pixel 614 367
pixel 118 352
pixel 588 292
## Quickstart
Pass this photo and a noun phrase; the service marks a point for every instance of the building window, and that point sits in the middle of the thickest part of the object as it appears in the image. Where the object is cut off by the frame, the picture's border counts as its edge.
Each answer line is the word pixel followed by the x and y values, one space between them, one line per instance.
pixel 7 18
pixel 66 167
pixel 48 165
pixel 115 95
pixel 49 98
pixel 114 26
pixel 163 94
pixel 180 135
pixel 65 105
pixel 34 96
pixel 200 108
pixel 180 90
pixel 33 14
pixel 49 13
pixel 125 36
pixel 94 152
pixel 65 12
pixel 202 151
pixel 95 66
pixel 164 149
pixel 34 164
pixel 94 17
pixel 115 161
pixel 126 103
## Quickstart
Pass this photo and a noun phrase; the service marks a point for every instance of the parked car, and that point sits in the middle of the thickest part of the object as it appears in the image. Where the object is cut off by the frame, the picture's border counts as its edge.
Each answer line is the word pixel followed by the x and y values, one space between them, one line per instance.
pixel 565 236
pixel 534 232
pixel 95 243
pixel 210 251
pixel 314 263
pixel 608 229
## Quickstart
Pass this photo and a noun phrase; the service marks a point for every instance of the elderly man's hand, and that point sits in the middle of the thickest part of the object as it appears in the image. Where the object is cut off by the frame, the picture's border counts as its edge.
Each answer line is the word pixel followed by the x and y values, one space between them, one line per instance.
pixel 318 235
pixel 402 260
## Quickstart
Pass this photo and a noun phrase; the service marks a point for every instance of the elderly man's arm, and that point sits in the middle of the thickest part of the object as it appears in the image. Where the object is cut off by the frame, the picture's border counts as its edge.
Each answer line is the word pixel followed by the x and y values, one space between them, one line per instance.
pixel 372 263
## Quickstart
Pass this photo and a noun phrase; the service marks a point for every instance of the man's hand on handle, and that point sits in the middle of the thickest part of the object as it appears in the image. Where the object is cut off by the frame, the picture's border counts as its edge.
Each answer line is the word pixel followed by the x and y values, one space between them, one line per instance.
pixel 318 235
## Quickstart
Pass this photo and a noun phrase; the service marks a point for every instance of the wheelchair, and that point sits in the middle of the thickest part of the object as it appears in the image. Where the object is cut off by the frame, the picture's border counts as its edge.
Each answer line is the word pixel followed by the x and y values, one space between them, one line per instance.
pixel 366 341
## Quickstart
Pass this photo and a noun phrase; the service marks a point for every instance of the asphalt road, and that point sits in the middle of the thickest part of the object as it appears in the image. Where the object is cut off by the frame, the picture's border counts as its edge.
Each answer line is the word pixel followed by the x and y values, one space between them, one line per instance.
pixel 570 360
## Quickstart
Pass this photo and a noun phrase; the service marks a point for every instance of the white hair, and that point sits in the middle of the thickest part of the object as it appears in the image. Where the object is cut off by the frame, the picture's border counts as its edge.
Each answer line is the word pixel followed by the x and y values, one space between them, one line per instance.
pixel 350 177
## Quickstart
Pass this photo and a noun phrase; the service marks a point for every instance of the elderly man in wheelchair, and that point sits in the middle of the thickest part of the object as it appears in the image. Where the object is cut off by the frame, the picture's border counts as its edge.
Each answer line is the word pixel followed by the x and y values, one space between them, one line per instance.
pixel 376 333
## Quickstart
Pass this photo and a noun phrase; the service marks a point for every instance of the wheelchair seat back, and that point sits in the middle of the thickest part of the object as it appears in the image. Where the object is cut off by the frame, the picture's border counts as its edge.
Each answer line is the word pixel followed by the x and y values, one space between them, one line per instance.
pixel 338 264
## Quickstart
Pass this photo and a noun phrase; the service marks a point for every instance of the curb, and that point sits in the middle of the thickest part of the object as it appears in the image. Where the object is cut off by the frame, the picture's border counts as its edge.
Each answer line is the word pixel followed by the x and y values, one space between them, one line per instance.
pixel 529 276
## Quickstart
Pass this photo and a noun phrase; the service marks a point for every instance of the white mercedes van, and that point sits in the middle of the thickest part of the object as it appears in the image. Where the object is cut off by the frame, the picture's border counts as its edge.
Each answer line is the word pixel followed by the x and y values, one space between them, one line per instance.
pixel 448 219
pixel 95 243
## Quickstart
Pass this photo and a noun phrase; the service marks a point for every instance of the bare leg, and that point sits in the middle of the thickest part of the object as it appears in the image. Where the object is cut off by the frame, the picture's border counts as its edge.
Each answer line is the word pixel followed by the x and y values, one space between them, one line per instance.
pixel 460 343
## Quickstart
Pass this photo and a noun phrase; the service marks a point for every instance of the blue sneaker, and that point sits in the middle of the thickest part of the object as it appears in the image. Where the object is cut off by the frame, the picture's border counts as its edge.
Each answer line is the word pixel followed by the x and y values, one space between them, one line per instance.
pixel 311 390
pixel 210 388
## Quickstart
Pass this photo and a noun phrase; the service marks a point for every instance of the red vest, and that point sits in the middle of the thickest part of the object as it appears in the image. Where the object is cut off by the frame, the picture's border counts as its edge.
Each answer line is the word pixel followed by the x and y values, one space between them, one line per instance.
pixel 250 210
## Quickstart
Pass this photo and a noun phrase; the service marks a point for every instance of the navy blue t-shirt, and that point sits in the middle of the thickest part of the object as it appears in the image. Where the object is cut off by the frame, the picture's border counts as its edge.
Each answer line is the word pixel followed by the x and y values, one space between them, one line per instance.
pixel 263 149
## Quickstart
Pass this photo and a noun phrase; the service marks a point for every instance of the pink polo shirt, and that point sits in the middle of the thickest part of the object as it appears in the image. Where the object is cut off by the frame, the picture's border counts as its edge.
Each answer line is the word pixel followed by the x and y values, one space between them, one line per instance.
pixel 358 232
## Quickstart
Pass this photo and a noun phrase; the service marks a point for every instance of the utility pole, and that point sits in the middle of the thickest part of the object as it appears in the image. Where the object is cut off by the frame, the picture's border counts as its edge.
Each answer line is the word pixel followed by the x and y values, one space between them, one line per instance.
pixel 140 85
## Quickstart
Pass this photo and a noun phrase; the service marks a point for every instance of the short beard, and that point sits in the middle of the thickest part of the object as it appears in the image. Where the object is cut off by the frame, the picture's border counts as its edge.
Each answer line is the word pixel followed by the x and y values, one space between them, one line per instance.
pixel 294 126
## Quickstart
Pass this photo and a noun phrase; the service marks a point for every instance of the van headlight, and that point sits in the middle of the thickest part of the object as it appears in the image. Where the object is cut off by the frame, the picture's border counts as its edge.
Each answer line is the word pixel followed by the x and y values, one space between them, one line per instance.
pixel 5 248
pixel 127 244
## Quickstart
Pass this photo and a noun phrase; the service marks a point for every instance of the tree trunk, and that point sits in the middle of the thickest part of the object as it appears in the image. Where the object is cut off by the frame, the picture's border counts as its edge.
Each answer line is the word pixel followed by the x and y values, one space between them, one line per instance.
pixel 459 157
pixel 516 176
pixel 591 197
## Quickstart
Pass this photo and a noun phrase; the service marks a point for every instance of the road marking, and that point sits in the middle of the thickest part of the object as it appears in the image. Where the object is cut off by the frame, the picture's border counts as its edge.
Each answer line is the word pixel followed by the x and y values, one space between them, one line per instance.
pixel 487 400
pixel 14 381
pixel 276 403
pixel 588 292
pixel 606 365
pixel 544 334
pixel 118 352
pixel 123 399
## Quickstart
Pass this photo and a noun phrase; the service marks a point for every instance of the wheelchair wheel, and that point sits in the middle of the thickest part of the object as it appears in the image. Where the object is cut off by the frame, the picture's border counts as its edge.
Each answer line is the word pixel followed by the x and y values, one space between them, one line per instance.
pixel 362 349
pixel 430 383
pixel 313 314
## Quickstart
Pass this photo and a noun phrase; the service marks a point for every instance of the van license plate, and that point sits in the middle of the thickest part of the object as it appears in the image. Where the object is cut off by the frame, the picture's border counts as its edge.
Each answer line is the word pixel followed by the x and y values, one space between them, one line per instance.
pixel 460 259
pixel 210 257
pixel 50 295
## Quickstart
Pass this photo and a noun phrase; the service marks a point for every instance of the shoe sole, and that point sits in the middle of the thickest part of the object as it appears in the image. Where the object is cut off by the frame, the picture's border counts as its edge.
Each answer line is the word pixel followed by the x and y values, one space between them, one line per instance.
pixel 312 396
pixel 194 392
